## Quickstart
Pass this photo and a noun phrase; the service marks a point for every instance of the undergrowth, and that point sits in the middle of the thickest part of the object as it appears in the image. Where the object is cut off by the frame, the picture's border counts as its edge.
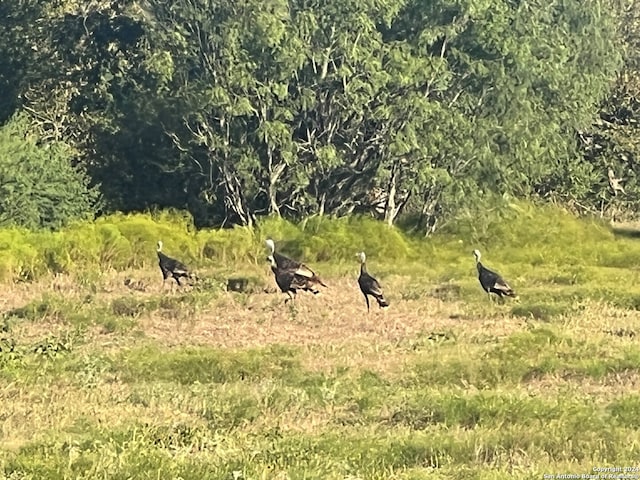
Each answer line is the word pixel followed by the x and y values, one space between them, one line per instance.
pixel 535 240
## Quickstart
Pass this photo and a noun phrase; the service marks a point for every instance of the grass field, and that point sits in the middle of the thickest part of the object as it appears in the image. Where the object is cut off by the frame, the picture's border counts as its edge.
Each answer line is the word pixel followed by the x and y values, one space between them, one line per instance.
pixel 101 381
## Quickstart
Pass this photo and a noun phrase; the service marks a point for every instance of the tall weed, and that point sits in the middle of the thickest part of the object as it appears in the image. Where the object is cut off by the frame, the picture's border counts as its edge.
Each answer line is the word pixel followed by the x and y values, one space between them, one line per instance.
pixel 520 234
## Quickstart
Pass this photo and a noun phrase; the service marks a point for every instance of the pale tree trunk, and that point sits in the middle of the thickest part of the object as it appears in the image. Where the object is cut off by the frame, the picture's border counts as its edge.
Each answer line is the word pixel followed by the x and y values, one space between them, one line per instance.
pixel 323 202
pixel 234 197
pixel 274 177
pixel 428 215
pixel 395 203
pixel 390 207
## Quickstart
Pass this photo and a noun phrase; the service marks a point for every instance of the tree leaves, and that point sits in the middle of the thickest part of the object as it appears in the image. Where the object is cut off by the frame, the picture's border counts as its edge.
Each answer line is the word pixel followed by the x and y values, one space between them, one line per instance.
pixel 38 186
pixel 240 108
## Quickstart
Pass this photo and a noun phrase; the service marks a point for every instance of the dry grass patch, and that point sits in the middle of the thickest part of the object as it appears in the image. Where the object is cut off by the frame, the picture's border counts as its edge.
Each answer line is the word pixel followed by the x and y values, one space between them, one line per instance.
pixel 200 380
pixel 336 317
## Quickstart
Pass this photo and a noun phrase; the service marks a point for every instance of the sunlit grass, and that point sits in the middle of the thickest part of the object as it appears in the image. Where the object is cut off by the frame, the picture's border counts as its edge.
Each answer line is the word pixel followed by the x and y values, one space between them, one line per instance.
pixel 102 381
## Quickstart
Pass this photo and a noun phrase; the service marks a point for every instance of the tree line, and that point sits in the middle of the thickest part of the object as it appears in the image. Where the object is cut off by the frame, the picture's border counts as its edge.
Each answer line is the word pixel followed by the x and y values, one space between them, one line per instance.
pixel 235 109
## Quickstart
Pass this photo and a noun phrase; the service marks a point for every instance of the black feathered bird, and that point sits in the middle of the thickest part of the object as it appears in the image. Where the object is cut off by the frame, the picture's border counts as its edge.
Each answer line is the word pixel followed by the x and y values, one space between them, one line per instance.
pixel 290 282
pixel 369 285
pixel 491 281
pixel 172 268
pixel 288 264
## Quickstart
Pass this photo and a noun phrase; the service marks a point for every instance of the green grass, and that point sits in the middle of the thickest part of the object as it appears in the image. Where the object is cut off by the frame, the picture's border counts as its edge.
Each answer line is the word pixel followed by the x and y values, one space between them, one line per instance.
pixel 543 243
pixel 452 414
pixel 97 381
pixel 204 365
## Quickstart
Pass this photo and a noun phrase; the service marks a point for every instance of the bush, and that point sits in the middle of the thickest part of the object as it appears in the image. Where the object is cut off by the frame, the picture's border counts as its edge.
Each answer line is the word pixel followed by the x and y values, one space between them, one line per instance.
pixel 331 239
pixel 528 241
pixel 39 186
pixel 525 233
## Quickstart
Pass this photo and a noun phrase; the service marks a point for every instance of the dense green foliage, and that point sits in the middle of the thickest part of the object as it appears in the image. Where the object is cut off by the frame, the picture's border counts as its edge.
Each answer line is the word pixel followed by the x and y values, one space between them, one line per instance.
pixel 241 109
pixel 613 142
pixel 39 186
pixel 532 237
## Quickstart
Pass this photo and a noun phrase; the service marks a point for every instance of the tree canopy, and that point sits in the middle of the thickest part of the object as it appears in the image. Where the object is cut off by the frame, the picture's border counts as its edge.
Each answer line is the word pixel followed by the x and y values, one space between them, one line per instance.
pixel 237 109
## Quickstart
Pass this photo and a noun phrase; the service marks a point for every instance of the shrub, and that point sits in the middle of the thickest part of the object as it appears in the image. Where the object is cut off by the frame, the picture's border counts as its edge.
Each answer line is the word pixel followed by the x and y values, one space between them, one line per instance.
pixel 39 186
pixel 528 242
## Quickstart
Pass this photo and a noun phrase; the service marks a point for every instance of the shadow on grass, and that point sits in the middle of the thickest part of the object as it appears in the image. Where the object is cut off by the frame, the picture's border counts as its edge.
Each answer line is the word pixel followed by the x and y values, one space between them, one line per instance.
pixel 626 232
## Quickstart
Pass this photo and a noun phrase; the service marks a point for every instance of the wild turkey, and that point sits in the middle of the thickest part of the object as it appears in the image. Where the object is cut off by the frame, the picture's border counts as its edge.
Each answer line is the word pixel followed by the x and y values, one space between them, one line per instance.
pixel 369 285
pixel 491 281
pixel 172 268
pixel 290 282
pixel 286 263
